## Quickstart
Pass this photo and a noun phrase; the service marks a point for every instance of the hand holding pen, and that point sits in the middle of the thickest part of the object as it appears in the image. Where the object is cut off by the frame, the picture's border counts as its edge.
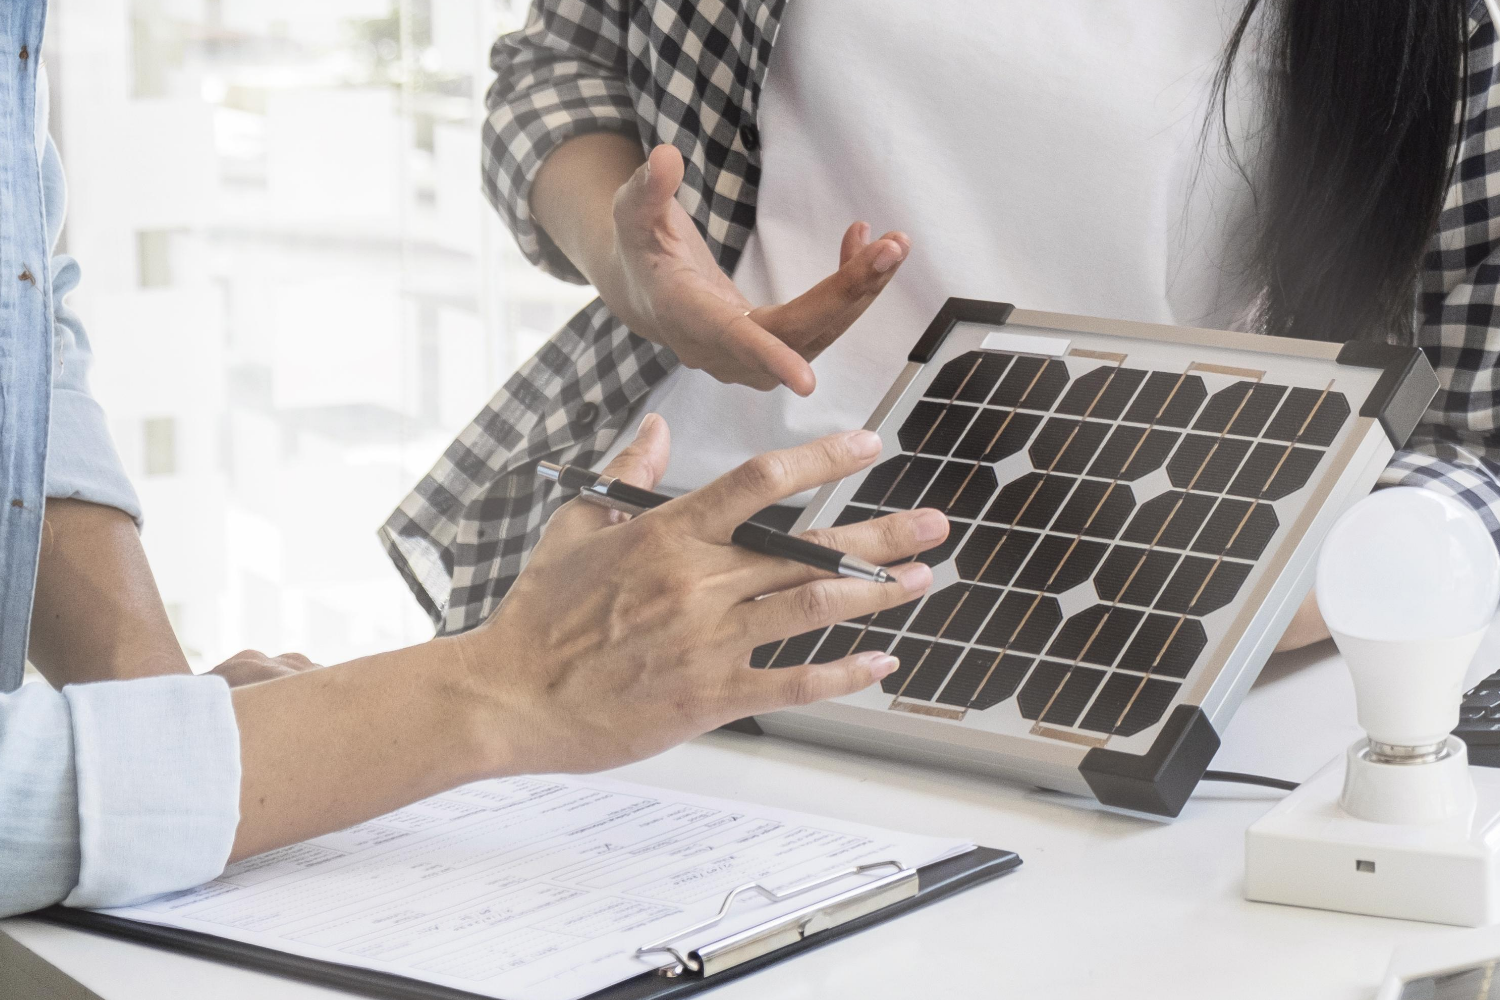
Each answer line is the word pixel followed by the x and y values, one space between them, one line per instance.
pixel 664 610
pixel 616 494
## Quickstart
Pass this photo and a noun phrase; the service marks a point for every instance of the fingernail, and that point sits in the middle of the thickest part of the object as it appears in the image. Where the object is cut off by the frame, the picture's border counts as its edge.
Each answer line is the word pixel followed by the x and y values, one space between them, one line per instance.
pixel 880 664
pixel 864 444
pixel 913 577
pixel 649 422
pixel 887 258
pixel 929 525
pixel 646 170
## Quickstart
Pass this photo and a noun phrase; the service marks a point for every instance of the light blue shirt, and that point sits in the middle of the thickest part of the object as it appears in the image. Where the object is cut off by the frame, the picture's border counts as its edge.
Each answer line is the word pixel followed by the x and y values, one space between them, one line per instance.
pixel 110 792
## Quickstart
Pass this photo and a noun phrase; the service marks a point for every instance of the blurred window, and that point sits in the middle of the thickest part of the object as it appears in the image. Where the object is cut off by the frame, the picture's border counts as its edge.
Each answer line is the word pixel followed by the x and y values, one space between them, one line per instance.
pixel 295 290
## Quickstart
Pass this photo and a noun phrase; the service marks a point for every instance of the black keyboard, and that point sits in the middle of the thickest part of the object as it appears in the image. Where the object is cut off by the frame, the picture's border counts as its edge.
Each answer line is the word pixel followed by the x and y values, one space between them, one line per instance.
pixel 1479 722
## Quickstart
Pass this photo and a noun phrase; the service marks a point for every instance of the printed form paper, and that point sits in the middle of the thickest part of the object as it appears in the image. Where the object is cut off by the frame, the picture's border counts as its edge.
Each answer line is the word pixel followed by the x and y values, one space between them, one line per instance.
pixel 533 888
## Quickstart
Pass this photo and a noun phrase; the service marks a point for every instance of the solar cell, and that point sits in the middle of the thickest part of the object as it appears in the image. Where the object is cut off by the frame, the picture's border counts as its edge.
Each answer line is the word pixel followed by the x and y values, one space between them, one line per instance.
pixel 1132 452
pixel 798 649
pixel 931 662
pixel 1067 703
pixel 1165 644
pixel 1022 622
pixel 1040 688
pixel 955 612
pixel 1096 635
pixel 1168 400
pixel 1309 417
pixel 997 434
pixel 1171 520
pixel 1031 384
pixel 837 644
pixel 998 676
pixel 1095 510
pixel 934 428
pixel 1102 394
pixel 1031 501
pixel 899 483
pixel 1240 529
pixel 1132 575
pixel 995 554
pixel 1067 445
pixel 960 489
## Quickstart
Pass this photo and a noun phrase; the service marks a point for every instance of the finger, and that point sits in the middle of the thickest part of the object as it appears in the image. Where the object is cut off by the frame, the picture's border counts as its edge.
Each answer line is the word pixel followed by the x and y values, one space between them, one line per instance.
pixel 855 238
pixel 762 361
pixel 296 662
pixel 825 602
pixel 653 186
pixel 881 541
pixel 755 692
pixel 819 316
pixel 642 463
pixel 717 509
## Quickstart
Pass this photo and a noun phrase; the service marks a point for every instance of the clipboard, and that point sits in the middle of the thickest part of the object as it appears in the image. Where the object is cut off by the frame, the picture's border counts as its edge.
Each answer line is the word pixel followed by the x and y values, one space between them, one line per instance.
pixel 889 894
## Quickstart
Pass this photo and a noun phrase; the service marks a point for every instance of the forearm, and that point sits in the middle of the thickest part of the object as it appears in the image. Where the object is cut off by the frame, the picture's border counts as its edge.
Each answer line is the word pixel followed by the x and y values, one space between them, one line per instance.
pixel 329 748
pixel 573 197
pixel 97 613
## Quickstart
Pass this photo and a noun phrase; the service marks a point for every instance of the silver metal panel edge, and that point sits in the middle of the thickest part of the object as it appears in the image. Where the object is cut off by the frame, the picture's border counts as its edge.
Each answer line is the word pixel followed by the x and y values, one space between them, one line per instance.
pixel 1191 336
pixel 1047 764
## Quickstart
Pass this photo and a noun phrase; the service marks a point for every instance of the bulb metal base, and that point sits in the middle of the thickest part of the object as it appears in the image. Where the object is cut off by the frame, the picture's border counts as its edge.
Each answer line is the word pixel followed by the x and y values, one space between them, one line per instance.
pixel 1394 753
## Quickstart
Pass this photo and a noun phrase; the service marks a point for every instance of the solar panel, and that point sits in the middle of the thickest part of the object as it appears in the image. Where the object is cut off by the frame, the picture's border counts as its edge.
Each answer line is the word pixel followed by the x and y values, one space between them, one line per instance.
pixel 1133 513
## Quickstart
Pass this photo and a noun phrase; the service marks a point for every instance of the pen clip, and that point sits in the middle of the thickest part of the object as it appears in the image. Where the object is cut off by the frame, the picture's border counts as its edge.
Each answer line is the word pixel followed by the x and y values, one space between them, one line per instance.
pixel 604 500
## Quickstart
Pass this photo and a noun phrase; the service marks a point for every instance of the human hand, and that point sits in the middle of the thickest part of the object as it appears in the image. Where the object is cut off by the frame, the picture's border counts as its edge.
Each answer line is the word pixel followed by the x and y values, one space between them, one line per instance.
pixel 664 283
pixel 622 638
pixel 251 666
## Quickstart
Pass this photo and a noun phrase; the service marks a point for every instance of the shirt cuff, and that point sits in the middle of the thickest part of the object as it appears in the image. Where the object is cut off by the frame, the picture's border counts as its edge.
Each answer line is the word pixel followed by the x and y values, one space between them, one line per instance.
pixel 158 769
pixel 522 130
pixel 1451 470
pixel 81 460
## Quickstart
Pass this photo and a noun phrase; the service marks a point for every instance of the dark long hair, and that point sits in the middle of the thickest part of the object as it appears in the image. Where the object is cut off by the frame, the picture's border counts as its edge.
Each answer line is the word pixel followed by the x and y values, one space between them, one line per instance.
pixel 1360 105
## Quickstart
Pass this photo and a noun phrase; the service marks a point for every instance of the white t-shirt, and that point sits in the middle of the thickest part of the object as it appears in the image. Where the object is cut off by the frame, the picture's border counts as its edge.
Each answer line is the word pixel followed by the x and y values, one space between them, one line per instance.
pixel 1041 153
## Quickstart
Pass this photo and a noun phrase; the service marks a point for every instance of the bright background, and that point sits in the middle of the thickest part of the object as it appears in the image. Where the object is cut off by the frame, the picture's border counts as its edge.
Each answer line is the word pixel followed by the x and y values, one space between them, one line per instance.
pixel 296 292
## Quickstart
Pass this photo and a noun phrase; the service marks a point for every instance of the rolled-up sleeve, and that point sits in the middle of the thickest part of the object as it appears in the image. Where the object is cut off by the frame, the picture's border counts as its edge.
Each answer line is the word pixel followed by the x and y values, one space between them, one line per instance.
pixel 82 463
pixel 114 792
pixel 1450 470
pixel 560 76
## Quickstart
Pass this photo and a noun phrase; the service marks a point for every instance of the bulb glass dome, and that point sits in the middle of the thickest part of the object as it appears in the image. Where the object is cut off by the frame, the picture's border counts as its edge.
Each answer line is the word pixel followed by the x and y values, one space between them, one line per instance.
pixel 1407 563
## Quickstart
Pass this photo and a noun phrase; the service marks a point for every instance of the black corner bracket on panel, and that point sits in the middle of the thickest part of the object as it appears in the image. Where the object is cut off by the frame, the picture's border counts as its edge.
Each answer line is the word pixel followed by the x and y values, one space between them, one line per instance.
pixel 1160 780
pixel 957 311
pixel 1406 386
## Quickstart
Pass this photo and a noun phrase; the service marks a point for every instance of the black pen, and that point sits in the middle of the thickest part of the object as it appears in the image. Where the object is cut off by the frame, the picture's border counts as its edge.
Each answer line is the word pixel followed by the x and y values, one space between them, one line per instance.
pixel 755 537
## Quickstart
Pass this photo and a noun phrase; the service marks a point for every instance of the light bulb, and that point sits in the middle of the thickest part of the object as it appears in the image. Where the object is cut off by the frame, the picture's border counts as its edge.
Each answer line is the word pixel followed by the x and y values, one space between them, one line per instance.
pixel 1408 580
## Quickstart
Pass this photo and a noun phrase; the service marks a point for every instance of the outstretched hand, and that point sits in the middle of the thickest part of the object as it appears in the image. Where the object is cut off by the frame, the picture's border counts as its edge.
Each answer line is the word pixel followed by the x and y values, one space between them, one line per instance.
pixel 652 645
pixel 667 287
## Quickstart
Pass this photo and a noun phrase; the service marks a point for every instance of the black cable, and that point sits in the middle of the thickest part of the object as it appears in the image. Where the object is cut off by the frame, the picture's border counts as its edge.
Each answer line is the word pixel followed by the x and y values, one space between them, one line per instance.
pixel 1250 779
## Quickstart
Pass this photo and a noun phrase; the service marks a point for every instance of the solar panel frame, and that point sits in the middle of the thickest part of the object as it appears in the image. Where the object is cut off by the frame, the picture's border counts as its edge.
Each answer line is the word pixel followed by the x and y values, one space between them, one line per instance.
pixel 1149 766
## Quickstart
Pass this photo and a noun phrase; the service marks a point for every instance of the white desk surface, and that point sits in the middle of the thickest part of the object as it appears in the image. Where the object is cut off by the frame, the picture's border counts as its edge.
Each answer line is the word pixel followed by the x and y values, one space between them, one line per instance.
pixel 1106 905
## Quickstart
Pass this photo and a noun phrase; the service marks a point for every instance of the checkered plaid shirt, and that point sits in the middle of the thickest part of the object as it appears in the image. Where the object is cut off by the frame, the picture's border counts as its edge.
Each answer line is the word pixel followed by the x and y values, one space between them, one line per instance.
pixel 690 73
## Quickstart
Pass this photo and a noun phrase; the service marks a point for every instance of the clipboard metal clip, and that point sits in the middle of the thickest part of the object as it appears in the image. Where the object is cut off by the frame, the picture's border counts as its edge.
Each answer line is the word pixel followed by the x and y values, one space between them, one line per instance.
pixel 762 939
